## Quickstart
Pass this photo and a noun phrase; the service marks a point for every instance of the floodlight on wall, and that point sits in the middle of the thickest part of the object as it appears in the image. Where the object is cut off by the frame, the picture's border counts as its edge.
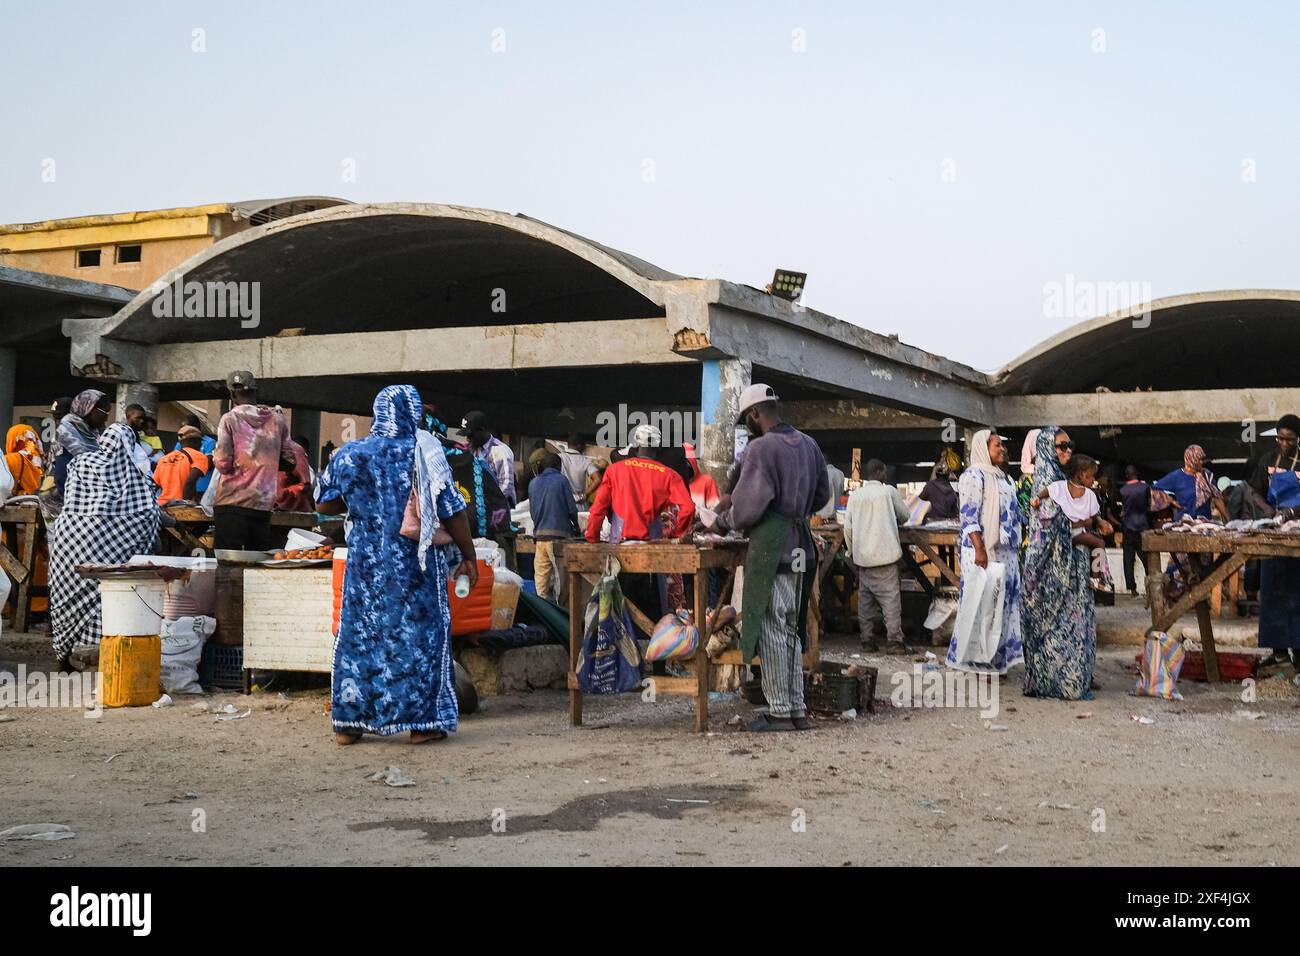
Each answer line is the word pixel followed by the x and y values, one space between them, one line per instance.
pixel 788 285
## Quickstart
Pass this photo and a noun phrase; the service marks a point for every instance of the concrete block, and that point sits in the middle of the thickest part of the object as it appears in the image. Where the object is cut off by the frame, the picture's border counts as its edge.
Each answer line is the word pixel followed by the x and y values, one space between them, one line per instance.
pixel 516 670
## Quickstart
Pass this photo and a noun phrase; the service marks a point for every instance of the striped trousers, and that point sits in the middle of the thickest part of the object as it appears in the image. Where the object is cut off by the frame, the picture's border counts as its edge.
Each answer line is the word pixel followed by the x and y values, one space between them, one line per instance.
pixel 778 648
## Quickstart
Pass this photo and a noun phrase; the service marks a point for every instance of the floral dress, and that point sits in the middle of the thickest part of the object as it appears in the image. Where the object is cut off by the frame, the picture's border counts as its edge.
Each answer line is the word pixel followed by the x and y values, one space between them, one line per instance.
pixel 1057 615
pixel 970 492
pixel 393 668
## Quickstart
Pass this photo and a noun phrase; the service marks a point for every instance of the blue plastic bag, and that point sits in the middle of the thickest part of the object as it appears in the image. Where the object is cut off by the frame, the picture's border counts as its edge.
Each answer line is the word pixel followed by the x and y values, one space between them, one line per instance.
pixel 608 661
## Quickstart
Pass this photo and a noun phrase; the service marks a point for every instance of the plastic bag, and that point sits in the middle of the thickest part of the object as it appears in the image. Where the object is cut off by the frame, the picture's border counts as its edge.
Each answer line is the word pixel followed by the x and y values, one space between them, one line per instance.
pixel 182 649
pixel 1162 661
pixel 978 630
pixel 210 496
pixel 608 661
pixel 674 636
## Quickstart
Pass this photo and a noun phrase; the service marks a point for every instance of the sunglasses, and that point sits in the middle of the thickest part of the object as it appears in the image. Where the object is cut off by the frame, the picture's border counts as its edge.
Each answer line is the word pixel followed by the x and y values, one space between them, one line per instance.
pixel 1065 445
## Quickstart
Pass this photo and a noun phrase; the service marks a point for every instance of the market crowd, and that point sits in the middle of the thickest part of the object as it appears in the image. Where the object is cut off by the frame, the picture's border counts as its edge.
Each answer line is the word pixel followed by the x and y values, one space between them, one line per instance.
pixel 415 496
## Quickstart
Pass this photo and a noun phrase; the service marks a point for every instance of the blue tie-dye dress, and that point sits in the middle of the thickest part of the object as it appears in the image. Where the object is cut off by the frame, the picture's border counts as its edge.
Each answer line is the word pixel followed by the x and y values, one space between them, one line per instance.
pixel 393 668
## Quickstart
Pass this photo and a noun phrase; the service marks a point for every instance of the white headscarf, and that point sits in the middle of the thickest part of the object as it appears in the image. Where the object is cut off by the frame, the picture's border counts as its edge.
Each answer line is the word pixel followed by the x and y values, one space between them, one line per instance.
pixel 991 505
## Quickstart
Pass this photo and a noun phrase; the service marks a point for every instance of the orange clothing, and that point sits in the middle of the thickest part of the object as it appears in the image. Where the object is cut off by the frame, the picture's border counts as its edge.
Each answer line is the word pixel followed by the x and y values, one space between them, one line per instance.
pixel 24 455
pixel 173 472
pixel 634 493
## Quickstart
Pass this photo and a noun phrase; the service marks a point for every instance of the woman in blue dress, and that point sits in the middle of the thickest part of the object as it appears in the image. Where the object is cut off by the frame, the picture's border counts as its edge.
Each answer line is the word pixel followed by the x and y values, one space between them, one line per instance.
pixel 990 534
pixel 1193 487
pixel 393 670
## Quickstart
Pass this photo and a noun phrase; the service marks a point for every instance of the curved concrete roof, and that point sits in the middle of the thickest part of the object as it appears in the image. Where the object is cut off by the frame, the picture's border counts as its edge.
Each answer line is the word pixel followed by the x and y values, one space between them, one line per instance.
pixel 1224 339
pixel 317 271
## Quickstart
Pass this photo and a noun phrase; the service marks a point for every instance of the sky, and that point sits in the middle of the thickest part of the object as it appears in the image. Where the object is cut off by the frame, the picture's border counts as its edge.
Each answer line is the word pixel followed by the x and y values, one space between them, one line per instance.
pixel 940 170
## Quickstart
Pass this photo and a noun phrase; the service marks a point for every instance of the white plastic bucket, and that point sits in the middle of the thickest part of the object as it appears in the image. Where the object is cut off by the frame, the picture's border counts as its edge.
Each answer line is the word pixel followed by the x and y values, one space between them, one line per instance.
pixel 131 606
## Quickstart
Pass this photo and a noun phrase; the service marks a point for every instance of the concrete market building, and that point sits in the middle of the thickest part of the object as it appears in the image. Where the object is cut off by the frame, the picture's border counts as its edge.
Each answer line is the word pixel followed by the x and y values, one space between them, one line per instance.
pixel 551 332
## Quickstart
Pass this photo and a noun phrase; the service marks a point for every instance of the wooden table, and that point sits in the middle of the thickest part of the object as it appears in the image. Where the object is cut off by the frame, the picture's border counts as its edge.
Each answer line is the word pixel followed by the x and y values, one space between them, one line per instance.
pixel 1217 557
pixel 928 541
pixel 586 562
pixel 25 527
pixel 193 528
pixel 832 537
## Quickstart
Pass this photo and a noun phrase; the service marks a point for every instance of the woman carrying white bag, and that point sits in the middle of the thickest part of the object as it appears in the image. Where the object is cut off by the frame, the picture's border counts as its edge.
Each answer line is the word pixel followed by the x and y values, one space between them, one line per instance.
pixel 986 638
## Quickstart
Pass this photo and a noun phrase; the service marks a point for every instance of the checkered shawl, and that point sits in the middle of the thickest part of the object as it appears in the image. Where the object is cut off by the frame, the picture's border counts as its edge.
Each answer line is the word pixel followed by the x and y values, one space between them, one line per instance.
pixel 109 515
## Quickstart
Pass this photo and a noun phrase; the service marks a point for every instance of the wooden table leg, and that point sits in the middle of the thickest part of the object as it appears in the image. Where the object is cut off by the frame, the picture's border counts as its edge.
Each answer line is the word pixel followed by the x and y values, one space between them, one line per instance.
pixel 575 642
pixel 1155 586
pixel 1204 621
pixel 701 656
pixel 23 600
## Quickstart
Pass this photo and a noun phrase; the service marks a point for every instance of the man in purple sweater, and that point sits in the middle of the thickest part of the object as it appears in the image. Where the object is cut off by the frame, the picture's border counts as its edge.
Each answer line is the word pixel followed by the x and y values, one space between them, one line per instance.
pixel 783 482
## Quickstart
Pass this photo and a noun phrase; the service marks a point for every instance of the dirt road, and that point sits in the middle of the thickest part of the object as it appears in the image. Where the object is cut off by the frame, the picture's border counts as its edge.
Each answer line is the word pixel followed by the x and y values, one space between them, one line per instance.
pixel 1207 782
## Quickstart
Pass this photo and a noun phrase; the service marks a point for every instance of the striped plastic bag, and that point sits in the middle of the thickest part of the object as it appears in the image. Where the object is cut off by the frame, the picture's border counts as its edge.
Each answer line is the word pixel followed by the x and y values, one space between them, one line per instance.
pixel 675 636
pixel 1162 660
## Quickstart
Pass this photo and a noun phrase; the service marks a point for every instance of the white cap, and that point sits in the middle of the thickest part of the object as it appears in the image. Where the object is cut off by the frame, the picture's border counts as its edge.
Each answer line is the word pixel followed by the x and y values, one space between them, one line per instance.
pixel 754 395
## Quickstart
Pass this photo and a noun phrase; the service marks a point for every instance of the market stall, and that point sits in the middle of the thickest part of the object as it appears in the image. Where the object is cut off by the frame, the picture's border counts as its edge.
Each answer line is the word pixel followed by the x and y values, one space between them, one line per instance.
pixel 193 529
pixel 1216 553
pixel 584 562
pixel 25 531
pixel 938 548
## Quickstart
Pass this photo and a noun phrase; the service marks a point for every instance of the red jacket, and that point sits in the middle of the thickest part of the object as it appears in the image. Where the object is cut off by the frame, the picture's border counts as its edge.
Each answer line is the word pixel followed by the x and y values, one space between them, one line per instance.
pixel 633 493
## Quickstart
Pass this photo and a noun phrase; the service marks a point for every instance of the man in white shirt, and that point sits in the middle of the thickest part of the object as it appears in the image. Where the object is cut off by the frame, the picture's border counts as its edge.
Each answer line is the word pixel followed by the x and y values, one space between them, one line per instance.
pixel 871 520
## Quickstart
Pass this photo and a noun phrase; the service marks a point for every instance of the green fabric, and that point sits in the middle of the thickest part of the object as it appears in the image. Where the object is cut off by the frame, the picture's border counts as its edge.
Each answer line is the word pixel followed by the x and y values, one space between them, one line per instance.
pixel 537 610
pixel 762 562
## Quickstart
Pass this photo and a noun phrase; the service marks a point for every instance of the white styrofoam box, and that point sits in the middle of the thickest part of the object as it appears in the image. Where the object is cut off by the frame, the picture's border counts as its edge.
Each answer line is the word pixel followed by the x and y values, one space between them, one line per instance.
pixel 288 619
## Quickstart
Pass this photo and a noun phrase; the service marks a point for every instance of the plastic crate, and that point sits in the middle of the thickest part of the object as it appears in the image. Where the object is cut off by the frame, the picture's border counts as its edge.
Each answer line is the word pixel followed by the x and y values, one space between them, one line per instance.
pixel 827 691
pixel 222 667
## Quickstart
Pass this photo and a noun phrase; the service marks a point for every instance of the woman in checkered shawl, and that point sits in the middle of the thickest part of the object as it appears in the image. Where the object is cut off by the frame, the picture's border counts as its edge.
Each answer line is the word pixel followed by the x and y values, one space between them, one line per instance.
pixel 109 515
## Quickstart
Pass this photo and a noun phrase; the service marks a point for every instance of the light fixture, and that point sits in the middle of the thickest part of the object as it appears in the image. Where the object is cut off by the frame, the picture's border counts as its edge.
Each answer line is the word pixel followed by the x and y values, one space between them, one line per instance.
pixel 787 285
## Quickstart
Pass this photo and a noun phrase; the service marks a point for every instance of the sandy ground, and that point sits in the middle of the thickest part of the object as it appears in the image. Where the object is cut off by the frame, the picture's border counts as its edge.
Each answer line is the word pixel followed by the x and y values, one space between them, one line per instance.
pixel 1209 782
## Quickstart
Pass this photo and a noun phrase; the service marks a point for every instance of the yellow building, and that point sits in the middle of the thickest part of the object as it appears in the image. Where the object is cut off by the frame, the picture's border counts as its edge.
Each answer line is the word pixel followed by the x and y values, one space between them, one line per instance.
pixel 132 249
pixel 128 251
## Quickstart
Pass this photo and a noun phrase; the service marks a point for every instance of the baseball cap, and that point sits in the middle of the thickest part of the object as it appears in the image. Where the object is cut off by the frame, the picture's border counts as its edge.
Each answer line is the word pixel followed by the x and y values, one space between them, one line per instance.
pixel 473 421
pixel 245 381
pixel 754 395
pixel 188 431
pixel 61 406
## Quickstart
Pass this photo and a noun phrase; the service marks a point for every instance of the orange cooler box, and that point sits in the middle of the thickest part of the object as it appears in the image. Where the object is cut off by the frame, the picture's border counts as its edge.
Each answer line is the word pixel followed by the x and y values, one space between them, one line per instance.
pixel 468 616
pixel 471 614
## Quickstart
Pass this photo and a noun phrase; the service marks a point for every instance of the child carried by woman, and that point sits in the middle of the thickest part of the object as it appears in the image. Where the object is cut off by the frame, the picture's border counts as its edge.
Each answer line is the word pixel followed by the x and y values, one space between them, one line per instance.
pixel 1078 502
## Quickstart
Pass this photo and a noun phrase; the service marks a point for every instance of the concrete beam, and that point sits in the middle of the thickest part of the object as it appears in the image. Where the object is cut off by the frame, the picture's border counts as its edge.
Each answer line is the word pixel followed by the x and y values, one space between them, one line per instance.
pixel 846 414
pixel 1096 409
pixel 846 368
pixel 415 351
pixel 94 355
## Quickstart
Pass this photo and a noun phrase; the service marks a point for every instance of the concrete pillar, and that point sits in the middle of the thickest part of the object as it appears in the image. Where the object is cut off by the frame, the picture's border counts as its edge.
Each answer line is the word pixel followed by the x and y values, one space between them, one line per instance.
pixel 306 422
pixel 8 379
pixel 136 393
pixel 722 381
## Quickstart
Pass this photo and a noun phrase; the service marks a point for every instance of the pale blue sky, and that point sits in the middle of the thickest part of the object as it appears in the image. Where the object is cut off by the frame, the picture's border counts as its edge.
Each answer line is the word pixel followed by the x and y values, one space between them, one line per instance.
pixel 1118 165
